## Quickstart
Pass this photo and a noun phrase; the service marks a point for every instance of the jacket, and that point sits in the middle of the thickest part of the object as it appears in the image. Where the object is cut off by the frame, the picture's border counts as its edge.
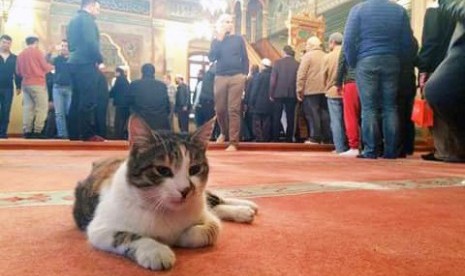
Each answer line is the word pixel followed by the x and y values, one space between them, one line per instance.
pixel 8 72
pixel 261 103
pixel 330 65
pixel 84 39
pixel 120 92
pixel 230 55
pixel 310 73
pixel 284 78
pixel 183 98
pixel 345 73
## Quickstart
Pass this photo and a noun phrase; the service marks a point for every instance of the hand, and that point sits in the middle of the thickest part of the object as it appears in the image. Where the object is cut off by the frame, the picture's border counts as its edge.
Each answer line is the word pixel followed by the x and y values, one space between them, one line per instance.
pixel 299 98
pixel 422 79
pixel 272 99
pixel 18 91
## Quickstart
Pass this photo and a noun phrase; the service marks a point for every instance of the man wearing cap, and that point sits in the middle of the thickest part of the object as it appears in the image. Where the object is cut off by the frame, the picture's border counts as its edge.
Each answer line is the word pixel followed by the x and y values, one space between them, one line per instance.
pixel 283 93
pixel 311 91
pixel 376 38
pixel 334 97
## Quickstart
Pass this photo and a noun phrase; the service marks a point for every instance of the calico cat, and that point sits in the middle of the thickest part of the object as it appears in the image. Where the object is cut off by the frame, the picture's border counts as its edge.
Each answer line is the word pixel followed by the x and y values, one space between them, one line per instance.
pixel 141 206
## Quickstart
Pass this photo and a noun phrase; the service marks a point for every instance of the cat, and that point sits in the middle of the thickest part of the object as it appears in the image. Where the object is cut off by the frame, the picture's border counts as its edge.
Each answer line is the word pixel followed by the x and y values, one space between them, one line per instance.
pixel 141 206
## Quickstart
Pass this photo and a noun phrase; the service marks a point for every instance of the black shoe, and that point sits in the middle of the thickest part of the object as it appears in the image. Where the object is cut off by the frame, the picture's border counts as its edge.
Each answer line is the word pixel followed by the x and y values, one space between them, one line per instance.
pixel 361 156
pixel 430 157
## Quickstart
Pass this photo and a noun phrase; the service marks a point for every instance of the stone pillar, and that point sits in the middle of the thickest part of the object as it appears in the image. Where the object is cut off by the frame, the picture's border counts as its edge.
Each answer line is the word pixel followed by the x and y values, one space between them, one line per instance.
pixel 418 12
pixel 244 20
pixel 265 23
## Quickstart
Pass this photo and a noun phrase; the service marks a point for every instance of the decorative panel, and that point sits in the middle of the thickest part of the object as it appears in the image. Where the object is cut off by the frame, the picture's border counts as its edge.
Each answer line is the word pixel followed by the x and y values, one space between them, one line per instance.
pixel 141 7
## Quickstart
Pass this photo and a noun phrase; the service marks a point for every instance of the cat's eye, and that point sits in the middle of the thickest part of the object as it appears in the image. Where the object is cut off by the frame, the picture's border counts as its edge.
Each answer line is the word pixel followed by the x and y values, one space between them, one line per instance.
pixel 164 171
pixel 193 170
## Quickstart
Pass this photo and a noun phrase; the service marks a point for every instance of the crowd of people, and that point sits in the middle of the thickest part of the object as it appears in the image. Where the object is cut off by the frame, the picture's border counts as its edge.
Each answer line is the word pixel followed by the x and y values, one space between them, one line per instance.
pixel 356 93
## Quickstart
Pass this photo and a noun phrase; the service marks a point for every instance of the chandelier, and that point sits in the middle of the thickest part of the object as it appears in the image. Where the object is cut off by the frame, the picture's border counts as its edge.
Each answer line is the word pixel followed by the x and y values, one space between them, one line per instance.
pixel 214 6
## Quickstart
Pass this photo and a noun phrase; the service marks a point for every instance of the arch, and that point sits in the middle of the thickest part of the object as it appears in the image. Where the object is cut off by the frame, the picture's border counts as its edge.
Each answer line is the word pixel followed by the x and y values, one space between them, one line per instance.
pixel 113 54
pixel 254 20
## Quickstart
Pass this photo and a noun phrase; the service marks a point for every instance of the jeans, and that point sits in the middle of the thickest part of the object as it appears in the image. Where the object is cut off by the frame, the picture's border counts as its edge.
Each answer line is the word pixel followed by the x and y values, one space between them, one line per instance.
pixel 336 115
pixel 378 81
pixel 6 98
pixel 62 102
pixel 35 108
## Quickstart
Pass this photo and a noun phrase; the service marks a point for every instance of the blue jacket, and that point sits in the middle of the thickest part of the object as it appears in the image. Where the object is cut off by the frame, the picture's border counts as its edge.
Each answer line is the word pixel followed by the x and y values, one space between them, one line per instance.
pixel 377 27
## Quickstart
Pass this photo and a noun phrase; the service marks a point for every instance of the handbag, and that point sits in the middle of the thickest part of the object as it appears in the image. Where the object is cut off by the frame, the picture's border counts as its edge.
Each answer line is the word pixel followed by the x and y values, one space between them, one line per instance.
pixel 422 114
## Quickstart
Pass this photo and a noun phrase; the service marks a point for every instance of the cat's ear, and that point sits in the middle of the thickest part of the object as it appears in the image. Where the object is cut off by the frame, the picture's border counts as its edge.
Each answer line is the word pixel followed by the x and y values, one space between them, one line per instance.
pixel 140 134
pixel 204 133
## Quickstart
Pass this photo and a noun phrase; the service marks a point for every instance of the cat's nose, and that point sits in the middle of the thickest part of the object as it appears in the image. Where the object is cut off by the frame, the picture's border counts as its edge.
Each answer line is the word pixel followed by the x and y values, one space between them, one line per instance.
pixel 185 192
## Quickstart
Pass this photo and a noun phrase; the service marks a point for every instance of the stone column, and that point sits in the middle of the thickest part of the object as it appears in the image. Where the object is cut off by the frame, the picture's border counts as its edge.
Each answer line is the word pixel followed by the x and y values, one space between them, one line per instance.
pixel 265 23
pixel 244 19
pixel 418 12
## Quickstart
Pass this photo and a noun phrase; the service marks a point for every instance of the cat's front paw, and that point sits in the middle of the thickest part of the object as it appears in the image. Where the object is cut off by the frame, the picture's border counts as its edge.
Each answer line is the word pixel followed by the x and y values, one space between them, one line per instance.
pixel 153 255
pixel 201 235
pixel 244 214
pixel 251 205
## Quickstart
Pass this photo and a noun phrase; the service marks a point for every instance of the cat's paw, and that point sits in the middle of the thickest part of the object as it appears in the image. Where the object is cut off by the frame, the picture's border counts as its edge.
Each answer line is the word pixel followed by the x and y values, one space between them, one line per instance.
pixel 251 205
pixel 244 214
pixel 201 235
pixel 242 202
pixel 153 255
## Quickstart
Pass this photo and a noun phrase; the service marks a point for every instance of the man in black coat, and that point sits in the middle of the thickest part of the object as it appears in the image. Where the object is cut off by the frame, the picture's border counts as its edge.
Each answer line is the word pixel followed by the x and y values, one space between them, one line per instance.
pixel 120 95
pixel 261 104
pixel 149 99
pixel 183 104
pixel 283 93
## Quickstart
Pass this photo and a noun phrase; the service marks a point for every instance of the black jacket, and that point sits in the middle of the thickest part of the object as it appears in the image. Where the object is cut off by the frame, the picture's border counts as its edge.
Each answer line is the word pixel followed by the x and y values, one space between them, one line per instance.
pixel 206 94
pixel 8 72
pixel 438 28
pixel 62 74
pixel 84 40
pixel 284 78
pixel 149 100
pixel 183 98
pixel 120 92
pixel 230 55
pixel 261 103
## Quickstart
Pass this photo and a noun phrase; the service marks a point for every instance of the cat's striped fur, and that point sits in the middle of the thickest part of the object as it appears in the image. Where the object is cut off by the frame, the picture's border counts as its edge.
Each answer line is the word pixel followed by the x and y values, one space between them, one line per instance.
pixel 141 206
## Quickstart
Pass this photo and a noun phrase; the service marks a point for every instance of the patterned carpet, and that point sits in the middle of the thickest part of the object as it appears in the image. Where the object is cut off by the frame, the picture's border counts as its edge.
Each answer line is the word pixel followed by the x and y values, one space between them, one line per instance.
pixel 320 215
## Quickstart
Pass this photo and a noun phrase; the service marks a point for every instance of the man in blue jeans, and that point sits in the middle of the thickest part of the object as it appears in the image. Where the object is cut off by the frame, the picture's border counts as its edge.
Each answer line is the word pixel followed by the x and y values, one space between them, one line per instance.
pixel 377 37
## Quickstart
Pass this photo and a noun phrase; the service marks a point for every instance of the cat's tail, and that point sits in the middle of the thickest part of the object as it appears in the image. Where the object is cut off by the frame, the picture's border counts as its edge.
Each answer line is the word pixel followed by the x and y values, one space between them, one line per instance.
pixel 87 192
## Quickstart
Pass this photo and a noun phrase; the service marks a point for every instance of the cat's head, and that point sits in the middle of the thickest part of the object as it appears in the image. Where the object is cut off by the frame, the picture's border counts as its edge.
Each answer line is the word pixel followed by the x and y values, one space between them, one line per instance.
pixel 169 170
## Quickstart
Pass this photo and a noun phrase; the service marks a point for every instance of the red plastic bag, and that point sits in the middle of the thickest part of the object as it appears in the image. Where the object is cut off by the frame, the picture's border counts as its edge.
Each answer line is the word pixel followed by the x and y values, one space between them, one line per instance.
pixel 422 114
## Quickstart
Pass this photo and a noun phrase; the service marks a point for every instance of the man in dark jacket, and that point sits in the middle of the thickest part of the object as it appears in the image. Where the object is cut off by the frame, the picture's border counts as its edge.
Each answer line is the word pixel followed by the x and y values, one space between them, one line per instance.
pixel 230 53
pixel 445 92
pixel 261 104
pixel 7 73
pixel 205 107
pixel 438 28
pixel 103 96
pixel 84 46
pixel 149 99
pixel 120 95
pixel 283 93
pixel 182 105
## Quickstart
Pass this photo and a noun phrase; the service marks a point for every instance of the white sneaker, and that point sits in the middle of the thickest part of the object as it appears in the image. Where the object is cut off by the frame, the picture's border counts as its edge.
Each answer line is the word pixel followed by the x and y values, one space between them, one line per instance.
pixel 231 148
pixel 350 153
pixel 309 142
pixel 220 139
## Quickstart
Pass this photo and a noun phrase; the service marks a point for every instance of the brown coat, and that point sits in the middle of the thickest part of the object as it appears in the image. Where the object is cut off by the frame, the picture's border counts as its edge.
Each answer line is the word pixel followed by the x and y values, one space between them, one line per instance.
pixel 330 65
pixel 310 73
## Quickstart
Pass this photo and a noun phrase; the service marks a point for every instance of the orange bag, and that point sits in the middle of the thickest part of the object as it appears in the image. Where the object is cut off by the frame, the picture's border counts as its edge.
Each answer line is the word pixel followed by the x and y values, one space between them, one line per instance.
pixel 422 114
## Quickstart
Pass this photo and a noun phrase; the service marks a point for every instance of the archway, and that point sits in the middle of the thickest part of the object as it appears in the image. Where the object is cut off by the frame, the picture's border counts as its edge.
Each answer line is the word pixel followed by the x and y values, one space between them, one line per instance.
pixel 254 20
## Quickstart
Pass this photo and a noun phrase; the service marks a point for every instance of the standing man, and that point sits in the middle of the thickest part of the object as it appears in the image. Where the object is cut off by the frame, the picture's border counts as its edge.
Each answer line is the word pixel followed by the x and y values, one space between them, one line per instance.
pixel 85 57
pixel 32 67
pixel 283 93
pixel 62 90
pixel 7 73
pixel 377 37
pixel 333 95
pixel 232 65
pixel 183 104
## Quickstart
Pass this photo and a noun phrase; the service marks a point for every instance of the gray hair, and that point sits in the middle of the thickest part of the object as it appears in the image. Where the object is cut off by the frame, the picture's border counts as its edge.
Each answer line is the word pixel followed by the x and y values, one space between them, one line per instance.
pixel 336 37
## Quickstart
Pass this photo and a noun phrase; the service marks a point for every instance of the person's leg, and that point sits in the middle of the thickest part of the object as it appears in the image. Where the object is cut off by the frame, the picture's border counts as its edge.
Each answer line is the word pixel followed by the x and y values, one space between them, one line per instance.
pixel 290 106
pixel 276 119
pixel 119 122
pixel 316 112
pixel 368 85
pixel 326 135
pixel 28 111
pixel 389 84
pixel 337 124
pixel 221 104
pixel 351 103
pixel 6 98
pixel 74 131
pixel 235 91
pixel 60 111
pixel 307 110
pixel 266 127
pixel 39 98
pixel 88 98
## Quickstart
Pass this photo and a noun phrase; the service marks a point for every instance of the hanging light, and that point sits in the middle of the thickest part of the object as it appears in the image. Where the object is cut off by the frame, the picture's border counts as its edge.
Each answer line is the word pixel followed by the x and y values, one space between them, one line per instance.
pixel 214 6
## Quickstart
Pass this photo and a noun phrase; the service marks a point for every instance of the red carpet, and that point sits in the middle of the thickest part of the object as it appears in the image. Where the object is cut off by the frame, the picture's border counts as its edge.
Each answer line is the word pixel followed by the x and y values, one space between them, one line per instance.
pixel 384 219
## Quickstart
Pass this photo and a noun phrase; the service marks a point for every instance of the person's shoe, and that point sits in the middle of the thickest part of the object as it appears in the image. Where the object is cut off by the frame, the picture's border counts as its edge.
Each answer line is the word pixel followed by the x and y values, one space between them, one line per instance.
pixel 349 153
pixel 430 157
pixel 95 138
pixel 231 148
pixel 311 142
pixel 361 156
pixel 220 139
